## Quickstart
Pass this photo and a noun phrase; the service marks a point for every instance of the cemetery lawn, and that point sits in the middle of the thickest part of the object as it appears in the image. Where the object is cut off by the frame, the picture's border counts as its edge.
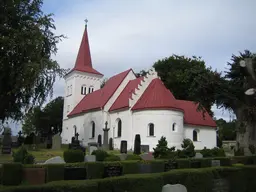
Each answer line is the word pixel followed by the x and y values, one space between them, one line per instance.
pixel 40 155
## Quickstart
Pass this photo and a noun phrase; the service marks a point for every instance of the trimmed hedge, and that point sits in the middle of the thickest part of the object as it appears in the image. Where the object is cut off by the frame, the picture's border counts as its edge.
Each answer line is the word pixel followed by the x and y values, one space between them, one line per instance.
pixel 54 172
pixel 240 179
pixel 11 173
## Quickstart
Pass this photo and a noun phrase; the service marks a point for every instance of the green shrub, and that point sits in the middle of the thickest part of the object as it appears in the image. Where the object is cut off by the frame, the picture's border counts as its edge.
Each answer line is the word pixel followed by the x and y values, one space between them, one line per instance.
pixel 224 161
pixel 112 158
pixel 157 166
pixel 188 148
pixel 100 154
pixel 239 152
pixel 95 170
pixel 162 150
pixel 252 149
pixel 133 157
pixel 73 156
pixel 54 172
pixel 22 156
pixel 137 143
pixel 1 174
pixel 183 163
pixel 206 152
pixel 12 173
pixel 215 152
pixel 247 160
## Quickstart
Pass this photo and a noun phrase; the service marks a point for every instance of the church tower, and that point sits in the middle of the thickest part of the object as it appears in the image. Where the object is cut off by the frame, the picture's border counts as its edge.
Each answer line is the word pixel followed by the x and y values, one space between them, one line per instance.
pixel 82 79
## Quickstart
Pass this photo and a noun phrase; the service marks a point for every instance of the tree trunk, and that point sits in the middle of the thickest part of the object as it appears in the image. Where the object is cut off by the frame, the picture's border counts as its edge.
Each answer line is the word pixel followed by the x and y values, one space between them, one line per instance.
pixel 245 132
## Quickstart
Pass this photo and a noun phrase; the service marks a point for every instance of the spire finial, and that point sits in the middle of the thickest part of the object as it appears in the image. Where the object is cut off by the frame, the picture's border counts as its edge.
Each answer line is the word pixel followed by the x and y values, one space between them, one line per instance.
pixel 86 21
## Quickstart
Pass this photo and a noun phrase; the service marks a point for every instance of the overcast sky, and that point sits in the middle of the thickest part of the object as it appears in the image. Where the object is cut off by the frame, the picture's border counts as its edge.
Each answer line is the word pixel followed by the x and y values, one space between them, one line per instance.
pixel 135 33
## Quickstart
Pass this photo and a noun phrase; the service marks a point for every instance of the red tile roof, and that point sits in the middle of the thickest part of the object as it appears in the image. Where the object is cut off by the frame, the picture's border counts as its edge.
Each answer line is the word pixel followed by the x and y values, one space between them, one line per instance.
pixel 98 99
pixel 83 60
pixel 156 96
pixel 194 117
pixel 122 101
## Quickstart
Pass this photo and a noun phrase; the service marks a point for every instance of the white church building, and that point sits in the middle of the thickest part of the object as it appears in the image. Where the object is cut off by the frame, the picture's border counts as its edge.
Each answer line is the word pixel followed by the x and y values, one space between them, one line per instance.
pixel 130 106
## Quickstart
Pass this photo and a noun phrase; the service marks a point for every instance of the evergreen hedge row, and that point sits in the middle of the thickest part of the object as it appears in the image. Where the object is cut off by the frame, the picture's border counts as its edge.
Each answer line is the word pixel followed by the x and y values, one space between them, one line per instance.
pixel 239 179
pixel 11 174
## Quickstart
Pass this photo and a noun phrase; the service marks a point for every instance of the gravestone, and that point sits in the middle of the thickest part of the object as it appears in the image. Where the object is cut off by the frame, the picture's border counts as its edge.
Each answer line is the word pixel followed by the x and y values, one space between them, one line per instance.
pixel 93 144
pixel 7 142
pixel 113 171
pixel 215 163
pixel 170 165
pixel 198 156
pixel 92 148
pixel 123 147
pixel 144 148
pixel 147 156
pixel 122 156
pixel 144 168
pixel 220 185
pixel 55 160
pixel 90 158
pixel 174 188
pixel 75 173
pixel 105 136
pixel 56 142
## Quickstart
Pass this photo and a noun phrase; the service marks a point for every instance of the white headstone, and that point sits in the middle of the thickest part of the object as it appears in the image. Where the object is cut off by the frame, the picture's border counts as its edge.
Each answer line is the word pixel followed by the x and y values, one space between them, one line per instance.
pixel 215 163
pixel 198 156
pixel 92 148
pixel 55 160
pixel 90 158
pixel 174 188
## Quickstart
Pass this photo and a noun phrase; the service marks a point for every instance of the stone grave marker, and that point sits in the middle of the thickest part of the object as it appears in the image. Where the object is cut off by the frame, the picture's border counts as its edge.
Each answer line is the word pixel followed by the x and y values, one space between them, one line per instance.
pixel 92 148
pixel 220 185
pixel 90 158
pixel 170 165
pixel 55 160
pixel 144 148
pixel 174 188
pixel 123 147
pixel 122 156
pixel 198 156
pixel 56 142
pixel 215 163
pixel 147 156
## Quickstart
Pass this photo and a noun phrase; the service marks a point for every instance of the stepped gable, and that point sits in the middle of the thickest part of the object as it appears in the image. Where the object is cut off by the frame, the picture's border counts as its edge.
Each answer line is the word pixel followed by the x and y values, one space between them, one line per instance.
pixel 83 60
pixel 122 102
pixel 194 117
pixel 156 96
pixel 97 99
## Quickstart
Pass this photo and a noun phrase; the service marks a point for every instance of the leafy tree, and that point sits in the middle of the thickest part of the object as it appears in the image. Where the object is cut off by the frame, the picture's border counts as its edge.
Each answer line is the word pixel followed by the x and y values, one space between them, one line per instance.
pixel 162 149
pixel 42 120
pixel 195 81
pixel 231 96
pixel 103 82
pixel 27 72
pixel 227 130
pixel 141 73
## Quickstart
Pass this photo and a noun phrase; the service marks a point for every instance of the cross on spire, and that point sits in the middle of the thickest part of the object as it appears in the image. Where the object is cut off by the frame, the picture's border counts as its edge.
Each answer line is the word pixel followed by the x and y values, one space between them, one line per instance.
pixel 86 21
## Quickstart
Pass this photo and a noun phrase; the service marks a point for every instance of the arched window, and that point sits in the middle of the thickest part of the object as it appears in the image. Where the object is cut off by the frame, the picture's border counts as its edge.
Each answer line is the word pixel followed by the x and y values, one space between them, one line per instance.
pixel 83 90
pixel 174 127
pixel 93 129
pixel 91 89
pixel 195 135
pixel 119 128
pixel 151 129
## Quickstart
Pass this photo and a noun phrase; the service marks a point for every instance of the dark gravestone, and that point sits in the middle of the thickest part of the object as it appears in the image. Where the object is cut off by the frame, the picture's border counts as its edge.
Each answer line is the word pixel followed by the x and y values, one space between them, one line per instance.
pixel 110 144
pixel 195 164
pixel 99 140
pixel 220 185
pixel 170 165
pixel 113 171
pixel 7 142
pixel 75 173
pixel 105 136
pixel 144 168
pixel 144 148
pixel 123 147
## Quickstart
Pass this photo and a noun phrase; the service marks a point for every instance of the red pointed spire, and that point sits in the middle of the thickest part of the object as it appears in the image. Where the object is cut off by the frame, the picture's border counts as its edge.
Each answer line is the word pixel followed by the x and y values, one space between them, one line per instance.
pixel 83 60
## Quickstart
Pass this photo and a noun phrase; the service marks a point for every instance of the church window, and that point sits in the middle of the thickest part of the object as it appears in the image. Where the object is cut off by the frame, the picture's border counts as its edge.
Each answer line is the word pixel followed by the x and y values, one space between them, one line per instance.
pixel 83 90
pixel 151 129
pixel 119 128
pixel 93 129
pixel 174 127
pixel 91 89
pixel 195 135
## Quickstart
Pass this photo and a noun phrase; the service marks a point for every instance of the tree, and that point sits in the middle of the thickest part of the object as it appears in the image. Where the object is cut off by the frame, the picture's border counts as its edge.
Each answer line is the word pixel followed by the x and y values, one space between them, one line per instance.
pixel 103 82
pixel 27 72
pixel 189 79
pixel 237 81
pixel 227 130
pixel 42 120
